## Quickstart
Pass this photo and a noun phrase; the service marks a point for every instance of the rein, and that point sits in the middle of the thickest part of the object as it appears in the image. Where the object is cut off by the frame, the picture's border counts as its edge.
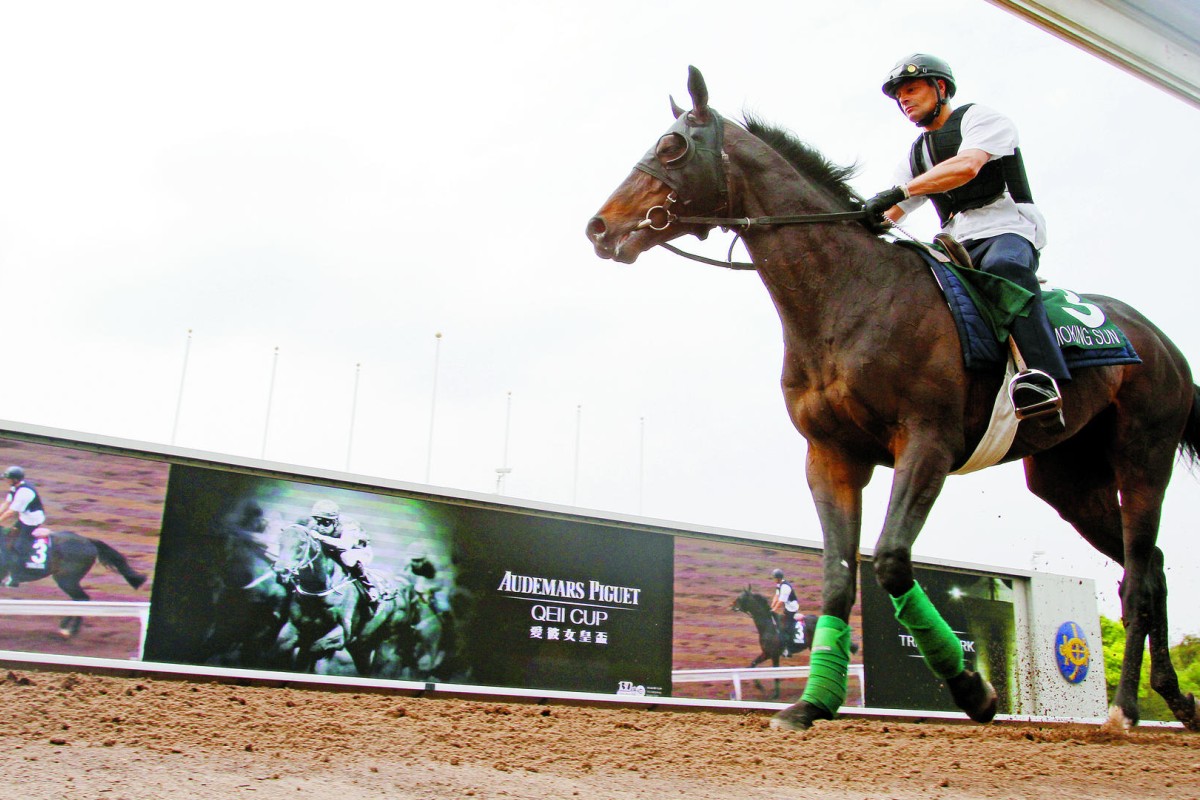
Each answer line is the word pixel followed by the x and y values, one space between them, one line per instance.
pixel 664 213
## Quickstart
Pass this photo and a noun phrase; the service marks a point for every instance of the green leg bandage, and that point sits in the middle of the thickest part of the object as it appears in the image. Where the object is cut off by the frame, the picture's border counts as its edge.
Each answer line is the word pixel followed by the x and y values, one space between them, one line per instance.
pixel 939 646
pixel 826 685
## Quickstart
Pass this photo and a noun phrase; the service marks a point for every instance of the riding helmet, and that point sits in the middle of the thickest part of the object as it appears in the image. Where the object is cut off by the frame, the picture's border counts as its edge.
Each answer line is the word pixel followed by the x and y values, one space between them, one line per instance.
pixel 777 574
pixel 919 65
pixel 14 473
pixel 325 509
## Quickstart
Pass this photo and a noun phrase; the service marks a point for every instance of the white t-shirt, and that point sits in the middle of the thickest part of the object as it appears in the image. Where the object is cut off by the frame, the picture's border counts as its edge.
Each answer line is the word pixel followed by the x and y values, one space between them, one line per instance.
pixel 21 498
pixel 788 597
pixel 995 134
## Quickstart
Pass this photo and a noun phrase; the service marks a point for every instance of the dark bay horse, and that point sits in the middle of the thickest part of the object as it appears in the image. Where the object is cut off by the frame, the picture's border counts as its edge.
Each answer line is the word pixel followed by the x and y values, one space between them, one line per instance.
pixel 70 558
pixel 328 611
pixel 770 629
pixel 249 606
pixel 873 376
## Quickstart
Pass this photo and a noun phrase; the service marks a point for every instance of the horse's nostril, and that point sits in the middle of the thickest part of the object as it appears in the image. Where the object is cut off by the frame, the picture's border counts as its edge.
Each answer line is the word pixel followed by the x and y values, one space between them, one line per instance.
pixel 596 227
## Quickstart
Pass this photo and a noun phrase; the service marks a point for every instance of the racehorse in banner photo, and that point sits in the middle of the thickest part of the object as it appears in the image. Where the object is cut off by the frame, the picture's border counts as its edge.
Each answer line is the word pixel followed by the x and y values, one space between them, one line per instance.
pixel 249 606
pixel 67 557
pixel 873 375
pixel 328 611
pixel 770 630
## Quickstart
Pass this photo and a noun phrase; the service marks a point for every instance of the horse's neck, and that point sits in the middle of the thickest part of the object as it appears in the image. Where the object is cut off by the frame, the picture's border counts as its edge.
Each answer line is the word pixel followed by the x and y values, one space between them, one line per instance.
pixel 811 270
pixel 830 282
pixel 761 609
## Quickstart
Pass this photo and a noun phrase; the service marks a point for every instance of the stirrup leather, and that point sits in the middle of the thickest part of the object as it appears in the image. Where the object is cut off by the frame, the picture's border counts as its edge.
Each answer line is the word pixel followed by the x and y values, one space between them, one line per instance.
pixel 1051 404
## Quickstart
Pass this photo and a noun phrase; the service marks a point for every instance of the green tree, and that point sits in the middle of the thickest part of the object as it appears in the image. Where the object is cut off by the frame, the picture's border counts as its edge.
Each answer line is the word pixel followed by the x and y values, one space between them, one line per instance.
pixel 1185 656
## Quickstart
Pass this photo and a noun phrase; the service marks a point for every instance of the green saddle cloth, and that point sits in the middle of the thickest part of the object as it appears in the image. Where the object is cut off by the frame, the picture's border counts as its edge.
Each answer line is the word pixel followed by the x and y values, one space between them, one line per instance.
pixel 1075 322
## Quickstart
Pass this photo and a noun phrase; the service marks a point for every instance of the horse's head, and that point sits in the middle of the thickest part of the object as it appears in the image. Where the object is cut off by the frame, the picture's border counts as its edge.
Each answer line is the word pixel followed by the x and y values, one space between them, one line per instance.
pixel 742 601
pixel 297 550
pixel 683 173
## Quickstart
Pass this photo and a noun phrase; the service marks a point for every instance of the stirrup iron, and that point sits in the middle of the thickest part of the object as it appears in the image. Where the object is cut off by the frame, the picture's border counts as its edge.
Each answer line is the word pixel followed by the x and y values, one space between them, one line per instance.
pixel 1052 403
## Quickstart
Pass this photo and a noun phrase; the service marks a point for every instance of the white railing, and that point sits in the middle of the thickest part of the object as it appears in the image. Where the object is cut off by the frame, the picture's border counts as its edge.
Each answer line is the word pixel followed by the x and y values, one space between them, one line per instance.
pixel 72 608
pixel 756 674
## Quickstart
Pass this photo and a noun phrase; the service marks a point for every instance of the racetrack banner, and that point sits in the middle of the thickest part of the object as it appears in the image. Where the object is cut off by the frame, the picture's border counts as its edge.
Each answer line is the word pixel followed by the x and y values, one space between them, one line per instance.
pixel 284 571
pixel 467 594
pixel 979 609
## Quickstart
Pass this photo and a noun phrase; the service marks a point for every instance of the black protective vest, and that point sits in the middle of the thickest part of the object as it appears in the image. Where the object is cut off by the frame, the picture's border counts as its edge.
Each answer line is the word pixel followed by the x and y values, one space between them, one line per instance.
pixel 36 503
pixel 986 187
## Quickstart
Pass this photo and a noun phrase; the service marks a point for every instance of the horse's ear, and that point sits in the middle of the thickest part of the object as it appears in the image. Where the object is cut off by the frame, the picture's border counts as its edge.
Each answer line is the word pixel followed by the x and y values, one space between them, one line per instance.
pixel 675 109
pixel 699 92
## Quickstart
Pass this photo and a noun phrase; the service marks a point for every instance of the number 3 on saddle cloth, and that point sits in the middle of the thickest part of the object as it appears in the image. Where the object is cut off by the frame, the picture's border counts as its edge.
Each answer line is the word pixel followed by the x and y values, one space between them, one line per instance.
pixel 37 556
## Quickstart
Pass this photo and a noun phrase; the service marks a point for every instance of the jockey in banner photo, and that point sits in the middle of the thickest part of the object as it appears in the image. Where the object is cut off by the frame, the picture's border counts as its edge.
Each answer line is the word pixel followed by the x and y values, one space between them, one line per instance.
pixel 785 603
pixel 967 161
pixel 349 542
pixel 23 506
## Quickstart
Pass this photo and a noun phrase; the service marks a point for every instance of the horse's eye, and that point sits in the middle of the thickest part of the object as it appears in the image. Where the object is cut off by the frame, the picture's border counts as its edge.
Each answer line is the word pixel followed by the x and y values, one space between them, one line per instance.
pixel 671 148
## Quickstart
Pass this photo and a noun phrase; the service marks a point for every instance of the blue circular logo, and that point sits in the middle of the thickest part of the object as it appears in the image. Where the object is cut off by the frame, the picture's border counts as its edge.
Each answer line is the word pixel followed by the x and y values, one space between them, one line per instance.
pixel 1071 652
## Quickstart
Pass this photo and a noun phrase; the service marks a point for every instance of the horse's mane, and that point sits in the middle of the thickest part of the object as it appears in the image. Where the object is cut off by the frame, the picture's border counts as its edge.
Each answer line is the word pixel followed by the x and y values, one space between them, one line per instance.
pixel 756 598
pixel 808 161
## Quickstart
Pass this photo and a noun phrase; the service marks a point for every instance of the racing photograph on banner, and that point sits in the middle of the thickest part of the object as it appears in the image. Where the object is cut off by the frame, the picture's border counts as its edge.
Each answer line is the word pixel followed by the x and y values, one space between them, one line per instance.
pixel 267 573
pixel 978 608
pixel 741 606
pixel 79 534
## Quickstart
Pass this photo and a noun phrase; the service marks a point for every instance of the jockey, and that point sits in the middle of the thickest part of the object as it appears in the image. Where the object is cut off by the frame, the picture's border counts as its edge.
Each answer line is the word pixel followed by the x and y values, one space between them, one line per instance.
pixel 23 505
pixel 968 163
pixel 350 544
pixel 786 603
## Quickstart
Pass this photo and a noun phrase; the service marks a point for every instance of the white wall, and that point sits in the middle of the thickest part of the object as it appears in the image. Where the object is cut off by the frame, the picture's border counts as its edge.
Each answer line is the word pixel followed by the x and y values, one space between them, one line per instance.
pixel 1051 600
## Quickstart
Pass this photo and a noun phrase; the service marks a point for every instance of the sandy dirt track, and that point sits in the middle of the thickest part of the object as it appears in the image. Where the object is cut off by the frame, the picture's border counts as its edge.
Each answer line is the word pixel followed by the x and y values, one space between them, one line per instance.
pixel 96 736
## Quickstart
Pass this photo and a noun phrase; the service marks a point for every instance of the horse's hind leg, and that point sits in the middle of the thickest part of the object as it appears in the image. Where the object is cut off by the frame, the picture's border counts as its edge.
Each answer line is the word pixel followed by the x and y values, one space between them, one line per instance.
pixel 69 626
pixel 1078 480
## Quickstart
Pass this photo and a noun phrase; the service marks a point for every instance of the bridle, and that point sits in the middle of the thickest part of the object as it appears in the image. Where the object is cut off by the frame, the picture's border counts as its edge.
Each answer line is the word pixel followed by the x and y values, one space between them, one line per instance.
pixel 706 164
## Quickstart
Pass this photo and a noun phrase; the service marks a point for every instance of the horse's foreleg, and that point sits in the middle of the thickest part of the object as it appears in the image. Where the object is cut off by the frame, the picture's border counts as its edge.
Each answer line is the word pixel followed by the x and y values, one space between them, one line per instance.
pixel 836 483
pixel 919 479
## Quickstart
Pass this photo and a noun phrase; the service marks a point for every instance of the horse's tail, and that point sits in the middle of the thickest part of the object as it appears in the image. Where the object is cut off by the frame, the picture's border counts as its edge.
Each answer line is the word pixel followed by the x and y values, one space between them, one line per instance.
pixel 114 560
pixel 1189 444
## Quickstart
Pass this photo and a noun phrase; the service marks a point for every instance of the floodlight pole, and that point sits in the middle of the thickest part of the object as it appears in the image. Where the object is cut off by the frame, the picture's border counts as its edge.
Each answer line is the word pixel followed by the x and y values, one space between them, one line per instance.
pixel 187 349
pixel 353 413
pixel 578 429
pixel 503 470
pixel 641 462
pixel 270 400
pixel 437 352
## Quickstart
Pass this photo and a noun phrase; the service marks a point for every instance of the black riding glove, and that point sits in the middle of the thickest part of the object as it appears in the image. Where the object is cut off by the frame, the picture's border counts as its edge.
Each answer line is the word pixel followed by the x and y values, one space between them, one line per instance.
pixel 884 200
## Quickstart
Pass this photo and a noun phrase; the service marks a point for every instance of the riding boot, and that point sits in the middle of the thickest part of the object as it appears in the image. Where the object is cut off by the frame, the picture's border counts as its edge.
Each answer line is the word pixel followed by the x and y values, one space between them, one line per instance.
pixel 1035 392
pixel 24 549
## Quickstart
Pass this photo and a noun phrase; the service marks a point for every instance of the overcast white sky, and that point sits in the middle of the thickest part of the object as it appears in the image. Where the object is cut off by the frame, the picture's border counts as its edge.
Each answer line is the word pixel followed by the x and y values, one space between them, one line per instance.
pixel 344 181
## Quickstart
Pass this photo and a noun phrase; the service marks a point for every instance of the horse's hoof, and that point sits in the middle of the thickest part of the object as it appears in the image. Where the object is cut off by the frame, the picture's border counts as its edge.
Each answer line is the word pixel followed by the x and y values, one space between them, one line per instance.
pixel 799 717
pixel 1118 721
pixel 974 695
pixel 1192 721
